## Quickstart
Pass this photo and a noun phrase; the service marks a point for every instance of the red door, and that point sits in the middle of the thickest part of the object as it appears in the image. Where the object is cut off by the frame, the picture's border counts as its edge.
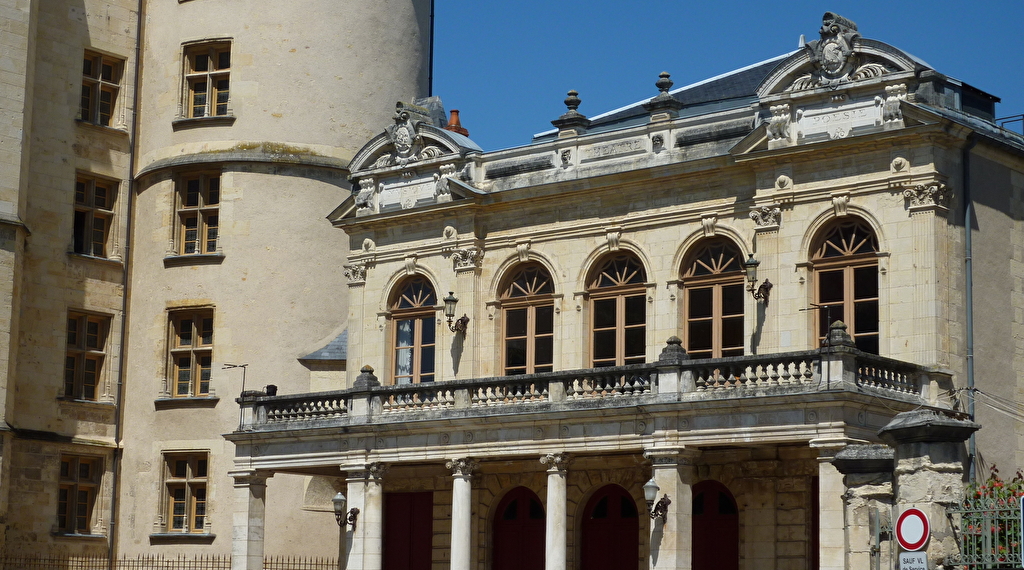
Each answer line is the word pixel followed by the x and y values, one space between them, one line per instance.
pixel 611 531
pixel 408 530
pixel 716 528
pixel 519 532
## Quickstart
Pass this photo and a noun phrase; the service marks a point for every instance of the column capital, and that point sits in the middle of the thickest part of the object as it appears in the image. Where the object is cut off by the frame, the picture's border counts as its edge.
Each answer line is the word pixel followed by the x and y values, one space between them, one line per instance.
pixel 671 456
pixel 462 467
pixel 557 462
pixel 828 447
pixel 366 472
pixel 250 478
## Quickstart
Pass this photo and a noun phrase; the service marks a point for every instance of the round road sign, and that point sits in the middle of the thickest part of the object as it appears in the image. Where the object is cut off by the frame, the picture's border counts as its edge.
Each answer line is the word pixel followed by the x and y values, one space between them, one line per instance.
pixel 912 530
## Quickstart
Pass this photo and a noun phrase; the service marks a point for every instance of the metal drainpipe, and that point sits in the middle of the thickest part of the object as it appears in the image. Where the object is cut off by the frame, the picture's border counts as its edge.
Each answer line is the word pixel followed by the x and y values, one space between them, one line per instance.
pixel 125 296
pixel 430 62
pixel 969 294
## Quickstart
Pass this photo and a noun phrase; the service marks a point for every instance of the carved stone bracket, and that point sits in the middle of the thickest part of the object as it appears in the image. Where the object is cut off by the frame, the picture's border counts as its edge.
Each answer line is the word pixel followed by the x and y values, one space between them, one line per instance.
pixel 523 250
pixel 566 157
pixel 840 201
pixel 709 222
pixel 442 193
pixel 462 467
pixel 778 126
pixel 766 216
pixel 467 258
pixel 366 198
pixel 356 272
pixel 927 196
pixel 613 235
pixel 557 462
pixel 410 264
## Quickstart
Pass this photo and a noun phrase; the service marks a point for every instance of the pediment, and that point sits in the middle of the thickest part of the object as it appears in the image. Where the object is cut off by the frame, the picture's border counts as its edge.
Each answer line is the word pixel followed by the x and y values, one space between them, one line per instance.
pixel 410 140
pixel 839 59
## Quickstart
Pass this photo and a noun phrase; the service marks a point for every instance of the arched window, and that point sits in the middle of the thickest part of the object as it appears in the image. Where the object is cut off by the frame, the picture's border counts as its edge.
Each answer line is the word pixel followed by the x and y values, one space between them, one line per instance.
pixel 845 263
pixel 713 298
pixel 412 310
pixel 528 321
pixel 618 311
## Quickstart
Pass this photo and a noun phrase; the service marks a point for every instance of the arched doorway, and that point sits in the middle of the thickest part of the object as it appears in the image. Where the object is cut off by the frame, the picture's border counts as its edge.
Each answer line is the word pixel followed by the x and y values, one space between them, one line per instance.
pixel 716 528
pixel 519 531
pixel 611 531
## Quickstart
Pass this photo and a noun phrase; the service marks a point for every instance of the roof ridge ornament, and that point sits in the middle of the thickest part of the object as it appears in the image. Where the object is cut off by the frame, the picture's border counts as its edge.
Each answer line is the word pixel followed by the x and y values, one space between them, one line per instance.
pixel 663 106
pixel 835 58
pixel 572 123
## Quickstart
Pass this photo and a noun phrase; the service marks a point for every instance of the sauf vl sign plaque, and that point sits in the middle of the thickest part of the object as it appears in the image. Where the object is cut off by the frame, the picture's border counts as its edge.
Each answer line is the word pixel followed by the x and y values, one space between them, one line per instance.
pixel 912 531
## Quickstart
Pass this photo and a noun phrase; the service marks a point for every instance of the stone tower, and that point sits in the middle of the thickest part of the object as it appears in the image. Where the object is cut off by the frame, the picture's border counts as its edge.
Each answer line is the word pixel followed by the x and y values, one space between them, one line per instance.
pixel 249 115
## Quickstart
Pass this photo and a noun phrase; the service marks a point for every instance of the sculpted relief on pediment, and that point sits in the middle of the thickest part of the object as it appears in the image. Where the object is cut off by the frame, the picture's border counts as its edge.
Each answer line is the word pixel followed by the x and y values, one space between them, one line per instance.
pixel 834 58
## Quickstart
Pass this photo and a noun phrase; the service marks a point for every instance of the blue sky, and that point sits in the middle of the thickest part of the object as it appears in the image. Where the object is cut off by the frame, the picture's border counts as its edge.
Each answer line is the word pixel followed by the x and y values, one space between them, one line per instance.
pixel 507 65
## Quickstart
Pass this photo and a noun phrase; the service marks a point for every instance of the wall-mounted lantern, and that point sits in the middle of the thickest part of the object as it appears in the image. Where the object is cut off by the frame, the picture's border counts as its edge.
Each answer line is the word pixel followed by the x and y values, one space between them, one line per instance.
pixel 462 322
pixel 764 291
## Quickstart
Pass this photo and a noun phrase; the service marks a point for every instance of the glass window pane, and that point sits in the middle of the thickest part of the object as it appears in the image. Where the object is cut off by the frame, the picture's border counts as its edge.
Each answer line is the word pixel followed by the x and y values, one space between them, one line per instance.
pixel 604 345
pixel 515 353
pixel 180 468
pixel 698 336
pixel 868 343
pixel 544 319
pixel 213 191
pixel 429 330
pixel 543 351
pixel 202 62
pixel 81 222
pixel 224 59
pixel 404 332
pixel 732 299
pixel 865 282
pixel 830 287
pixel 699 306
pixel 636 310
pixel 636 342
pixel 207 331
pixel 185 332
pixel 427 356
pixel 515 323
pixel 865 317
pixel 200 468
pixel 732 332
pixel 604 313
pixel 403 362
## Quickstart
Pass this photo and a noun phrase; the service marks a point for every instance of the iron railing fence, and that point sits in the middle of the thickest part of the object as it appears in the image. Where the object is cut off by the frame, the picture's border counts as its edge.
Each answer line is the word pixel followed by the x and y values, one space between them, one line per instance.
pixel 156 562
pixel 989 532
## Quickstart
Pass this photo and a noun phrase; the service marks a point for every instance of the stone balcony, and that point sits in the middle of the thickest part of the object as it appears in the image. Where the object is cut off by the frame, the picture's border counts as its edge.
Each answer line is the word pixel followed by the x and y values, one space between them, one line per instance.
pixel 674 378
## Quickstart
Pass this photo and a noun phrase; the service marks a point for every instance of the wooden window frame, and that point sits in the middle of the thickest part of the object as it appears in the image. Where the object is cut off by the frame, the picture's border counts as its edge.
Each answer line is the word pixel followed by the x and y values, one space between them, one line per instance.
pixel 207 81
pixel 714 264
pixel 621 288
pixel 530 295
pixel 101 82
pixel 94 215
pixel 197 204
pixel 186 488
pixel 421 311
pixel 86 342
pixel 187 379
pixel 77 493
pixel 831 255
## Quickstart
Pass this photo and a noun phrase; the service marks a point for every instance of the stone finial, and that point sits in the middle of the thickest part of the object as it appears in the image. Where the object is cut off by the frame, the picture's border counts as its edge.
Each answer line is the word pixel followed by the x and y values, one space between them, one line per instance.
pixel 673 353
pixel 366 379
pixel 573 122
pixel 663 106
pixel 837 335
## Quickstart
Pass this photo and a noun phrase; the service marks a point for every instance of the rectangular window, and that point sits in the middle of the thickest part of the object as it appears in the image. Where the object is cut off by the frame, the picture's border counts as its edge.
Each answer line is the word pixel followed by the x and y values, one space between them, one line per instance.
pixel 185 475
pixel 207 84
pixel 94 212
pixel 191 353
pixel 198 214
pixel 714 320
pixel 101 78
pixel 529 335
pixel 619 330
pixel 86 350
pixel 79 482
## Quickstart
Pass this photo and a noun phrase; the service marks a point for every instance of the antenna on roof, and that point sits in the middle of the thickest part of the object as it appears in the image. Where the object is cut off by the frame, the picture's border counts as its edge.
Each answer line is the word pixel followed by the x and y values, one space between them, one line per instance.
pixel 803 41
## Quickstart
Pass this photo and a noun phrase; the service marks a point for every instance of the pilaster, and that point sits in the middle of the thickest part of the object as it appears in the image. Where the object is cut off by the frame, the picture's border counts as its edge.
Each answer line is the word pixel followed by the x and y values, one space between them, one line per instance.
pixel 249 519
pixel 671 540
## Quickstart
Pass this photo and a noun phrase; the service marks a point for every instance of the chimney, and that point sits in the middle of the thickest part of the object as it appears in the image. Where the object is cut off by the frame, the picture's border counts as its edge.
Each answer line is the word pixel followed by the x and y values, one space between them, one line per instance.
pixel 454 125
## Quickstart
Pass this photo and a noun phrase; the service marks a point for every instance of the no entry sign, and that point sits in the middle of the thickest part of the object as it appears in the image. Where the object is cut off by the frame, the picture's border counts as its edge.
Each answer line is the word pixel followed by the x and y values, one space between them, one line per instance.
pixel 912 529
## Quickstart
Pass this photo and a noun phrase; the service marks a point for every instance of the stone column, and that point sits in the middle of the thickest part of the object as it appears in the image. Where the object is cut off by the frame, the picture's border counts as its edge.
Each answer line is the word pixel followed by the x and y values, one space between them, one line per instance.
pixel 365 493
pixel 867 471
pixel 462 512
pixel 831 534
pixel 671 539
pixel 555 521
pixel 930 458
pixel 249 519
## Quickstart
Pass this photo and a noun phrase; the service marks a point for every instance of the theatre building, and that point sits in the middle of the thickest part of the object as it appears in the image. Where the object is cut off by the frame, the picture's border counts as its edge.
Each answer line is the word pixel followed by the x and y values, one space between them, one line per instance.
pixel 729 294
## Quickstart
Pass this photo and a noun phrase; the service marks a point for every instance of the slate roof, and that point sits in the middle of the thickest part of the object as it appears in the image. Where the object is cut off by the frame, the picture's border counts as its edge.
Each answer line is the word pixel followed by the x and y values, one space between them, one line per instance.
pixel 337 349
pixel 727 91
